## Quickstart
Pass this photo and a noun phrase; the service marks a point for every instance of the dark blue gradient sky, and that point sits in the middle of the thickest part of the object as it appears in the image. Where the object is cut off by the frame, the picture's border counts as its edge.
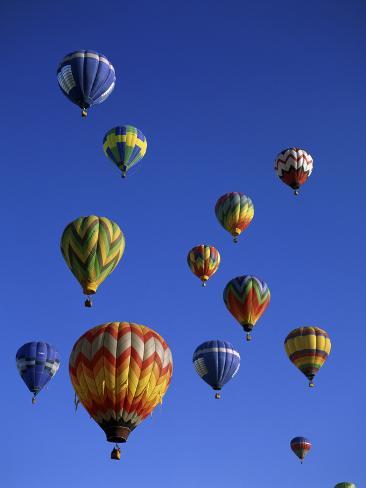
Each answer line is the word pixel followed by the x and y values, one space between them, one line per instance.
pixel 218 88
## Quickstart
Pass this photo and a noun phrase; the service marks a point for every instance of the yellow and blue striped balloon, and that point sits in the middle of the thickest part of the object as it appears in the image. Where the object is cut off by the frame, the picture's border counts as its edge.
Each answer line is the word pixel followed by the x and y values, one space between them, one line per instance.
pixel 125 145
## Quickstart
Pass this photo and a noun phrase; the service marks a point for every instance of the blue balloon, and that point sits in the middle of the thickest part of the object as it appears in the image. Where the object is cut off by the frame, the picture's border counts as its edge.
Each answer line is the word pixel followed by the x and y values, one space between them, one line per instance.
pixel 86 78
pixel 216 362
pixel 37 363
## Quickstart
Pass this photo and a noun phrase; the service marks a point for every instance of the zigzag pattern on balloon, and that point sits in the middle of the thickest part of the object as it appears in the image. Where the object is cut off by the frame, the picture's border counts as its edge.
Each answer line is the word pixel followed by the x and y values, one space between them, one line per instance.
pixel 294 166
pixel 92 247
pixel 246 298
pixel 120 372
pixel 203 261
pixel 234 211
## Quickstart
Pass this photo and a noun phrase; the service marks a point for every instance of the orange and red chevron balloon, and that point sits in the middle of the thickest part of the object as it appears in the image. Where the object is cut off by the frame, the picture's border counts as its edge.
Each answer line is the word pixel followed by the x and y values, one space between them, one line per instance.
pixel 120 372
pixel 308 349
pixel 203 261
pixel 247 297
pixel 294 166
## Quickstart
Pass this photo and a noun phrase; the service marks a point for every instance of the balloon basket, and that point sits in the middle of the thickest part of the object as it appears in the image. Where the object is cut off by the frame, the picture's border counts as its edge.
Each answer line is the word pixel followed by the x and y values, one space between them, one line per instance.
pixel 296 192
pixel 217 396
pixel 88 303
pixel 34 400
pixel 116 453
pixel 84 113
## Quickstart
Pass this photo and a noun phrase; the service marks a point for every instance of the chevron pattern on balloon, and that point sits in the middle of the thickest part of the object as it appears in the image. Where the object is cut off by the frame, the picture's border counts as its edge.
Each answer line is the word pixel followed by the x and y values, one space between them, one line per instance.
pixel 92 247
pixel 246 297
pixel 294 166
pixel 120 372
pixel 234 211
pixel 203 261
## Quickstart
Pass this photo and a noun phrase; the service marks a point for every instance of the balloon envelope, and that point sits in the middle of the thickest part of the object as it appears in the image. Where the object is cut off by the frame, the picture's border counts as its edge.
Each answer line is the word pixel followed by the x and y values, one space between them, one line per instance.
pixel 216 362
pixel 37 363
pixel 308 349
pixel 294 166
pixel 234 211
pixel 203 261
pixel 124 146
pixel 86 78
pixel 247 297
pixel 92 247
pixel 300 446
pixel 120 372
pixel 345 484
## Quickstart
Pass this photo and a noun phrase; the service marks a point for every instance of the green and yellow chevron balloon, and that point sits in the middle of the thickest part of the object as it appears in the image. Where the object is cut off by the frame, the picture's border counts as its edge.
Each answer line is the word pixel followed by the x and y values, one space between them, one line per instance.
pixel 92 247
pixel 125 146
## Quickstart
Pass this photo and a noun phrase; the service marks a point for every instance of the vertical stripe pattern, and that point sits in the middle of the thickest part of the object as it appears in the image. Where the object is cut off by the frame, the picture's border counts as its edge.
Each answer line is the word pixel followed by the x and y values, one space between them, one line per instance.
pixel 216 362
pixel 37 363
pixel 87 78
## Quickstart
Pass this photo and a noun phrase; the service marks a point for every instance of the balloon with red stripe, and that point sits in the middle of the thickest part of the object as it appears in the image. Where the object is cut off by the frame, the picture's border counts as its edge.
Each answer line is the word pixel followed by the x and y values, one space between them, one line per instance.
pixel 300 446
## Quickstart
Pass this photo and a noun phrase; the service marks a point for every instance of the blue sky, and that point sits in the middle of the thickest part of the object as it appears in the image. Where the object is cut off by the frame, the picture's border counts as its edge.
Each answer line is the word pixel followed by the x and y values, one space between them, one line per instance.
pixel 218 89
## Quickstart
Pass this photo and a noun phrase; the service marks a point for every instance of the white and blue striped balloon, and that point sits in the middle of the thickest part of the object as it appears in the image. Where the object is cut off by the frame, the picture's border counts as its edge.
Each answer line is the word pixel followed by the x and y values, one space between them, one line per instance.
pixel 216 362
pixel 37 363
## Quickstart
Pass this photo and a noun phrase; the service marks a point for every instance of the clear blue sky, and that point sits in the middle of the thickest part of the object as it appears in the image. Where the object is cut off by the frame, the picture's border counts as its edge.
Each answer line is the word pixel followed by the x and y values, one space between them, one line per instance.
pixel 218 88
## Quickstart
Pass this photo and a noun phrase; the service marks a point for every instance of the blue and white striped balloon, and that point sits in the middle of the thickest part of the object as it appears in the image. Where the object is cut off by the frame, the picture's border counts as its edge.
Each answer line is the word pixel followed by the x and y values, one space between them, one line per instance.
pixel 216 362
pixel 86 78
pixel 37 363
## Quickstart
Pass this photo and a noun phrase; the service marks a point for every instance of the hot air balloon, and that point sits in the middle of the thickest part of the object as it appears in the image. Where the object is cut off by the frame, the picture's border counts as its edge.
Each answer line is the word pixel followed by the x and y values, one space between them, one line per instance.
pixel 294 166
pixel 92 247
pixel 234 211
pixel 87 78
pixel 203 261
pixel 120 372
pixel 301 446
pixel 247 297
pixel 308 348
pixel 37 363
pixel 124 146
pixel 216 362
pixel 345 484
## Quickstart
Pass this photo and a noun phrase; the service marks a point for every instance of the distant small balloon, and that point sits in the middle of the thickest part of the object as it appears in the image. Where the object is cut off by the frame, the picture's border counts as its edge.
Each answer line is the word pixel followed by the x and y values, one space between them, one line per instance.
pixel 247 297
pixel 125 146
pixel 203 261
pixel 345 484
pixel 216 362
pixel 234 211
pixel 294 166
pixel 308 348
pixel 300 446
pixel 37 363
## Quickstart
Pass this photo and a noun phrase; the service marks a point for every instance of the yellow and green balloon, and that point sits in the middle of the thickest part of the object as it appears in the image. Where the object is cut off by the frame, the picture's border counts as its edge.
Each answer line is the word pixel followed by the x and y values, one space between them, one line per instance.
pixel 125 146
pixel 92 247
